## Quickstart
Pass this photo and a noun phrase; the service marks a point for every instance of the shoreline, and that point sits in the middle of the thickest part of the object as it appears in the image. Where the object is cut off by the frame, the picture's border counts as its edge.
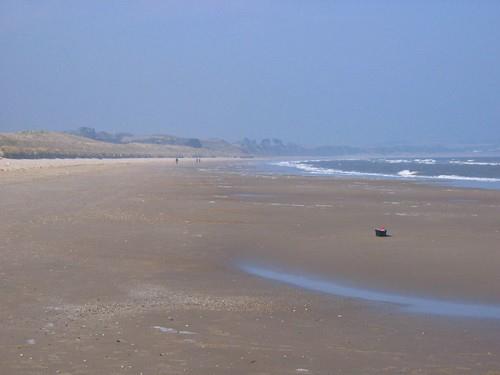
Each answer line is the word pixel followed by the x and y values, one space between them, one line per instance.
pixel 265 166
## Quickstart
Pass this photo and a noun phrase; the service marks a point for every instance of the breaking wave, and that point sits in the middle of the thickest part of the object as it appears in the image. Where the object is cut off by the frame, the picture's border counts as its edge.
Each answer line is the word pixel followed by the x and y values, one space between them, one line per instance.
pixel 407 161
pixel 472 162
pixel 407 173
pixel 311 167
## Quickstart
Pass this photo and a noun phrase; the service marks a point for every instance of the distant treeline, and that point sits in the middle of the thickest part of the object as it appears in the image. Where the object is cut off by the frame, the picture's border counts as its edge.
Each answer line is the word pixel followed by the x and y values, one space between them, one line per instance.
pixel 276 147
pixel 125 138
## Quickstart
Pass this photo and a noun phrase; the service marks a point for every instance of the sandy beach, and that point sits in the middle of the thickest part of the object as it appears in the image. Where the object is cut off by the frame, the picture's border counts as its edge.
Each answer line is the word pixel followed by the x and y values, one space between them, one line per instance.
pixel 134 267
pixel 10 165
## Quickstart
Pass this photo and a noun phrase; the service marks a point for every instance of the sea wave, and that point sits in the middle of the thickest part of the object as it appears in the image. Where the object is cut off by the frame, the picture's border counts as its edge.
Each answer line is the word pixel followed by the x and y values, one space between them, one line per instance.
pixel 403 174
pixel 472 162
pixel 394 161
pixel 424 161
pixel 302 165
pixel 407 173
pixel 407 161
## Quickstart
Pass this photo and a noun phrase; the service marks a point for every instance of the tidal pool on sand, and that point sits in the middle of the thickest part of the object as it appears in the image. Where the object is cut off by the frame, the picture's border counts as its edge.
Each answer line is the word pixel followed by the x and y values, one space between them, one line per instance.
pixel 405 303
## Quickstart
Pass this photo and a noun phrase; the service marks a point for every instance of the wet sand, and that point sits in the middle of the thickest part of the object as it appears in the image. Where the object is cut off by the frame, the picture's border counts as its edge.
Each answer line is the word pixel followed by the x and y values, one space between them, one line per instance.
pixel 133 268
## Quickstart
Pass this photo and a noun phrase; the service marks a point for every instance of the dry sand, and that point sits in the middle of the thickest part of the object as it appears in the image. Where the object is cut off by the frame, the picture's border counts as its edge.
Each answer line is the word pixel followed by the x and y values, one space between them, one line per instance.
pixel 130 268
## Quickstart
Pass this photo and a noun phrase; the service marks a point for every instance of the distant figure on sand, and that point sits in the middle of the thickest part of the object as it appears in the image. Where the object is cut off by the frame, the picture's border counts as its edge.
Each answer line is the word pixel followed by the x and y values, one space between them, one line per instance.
pixel 176 160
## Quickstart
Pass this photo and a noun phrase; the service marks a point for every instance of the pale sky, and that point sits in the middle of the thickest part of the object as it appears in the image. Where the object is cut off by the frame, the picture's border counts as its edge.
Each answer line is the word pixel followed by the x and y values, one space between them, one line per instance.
pixel 312 72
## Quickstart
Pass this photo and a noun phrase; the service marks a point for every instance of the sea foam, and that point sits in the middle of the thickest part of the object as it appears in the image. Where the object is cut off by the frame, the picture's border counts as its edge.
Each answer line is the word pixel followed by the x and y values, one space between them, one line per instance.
pixel 407 173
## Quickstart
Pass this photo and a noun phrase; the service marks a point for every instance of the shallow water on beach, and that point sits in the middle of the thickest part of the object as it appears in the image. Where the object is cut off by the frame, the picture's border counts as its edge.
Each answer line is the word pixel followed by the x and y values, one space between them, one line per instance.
pixel 405 303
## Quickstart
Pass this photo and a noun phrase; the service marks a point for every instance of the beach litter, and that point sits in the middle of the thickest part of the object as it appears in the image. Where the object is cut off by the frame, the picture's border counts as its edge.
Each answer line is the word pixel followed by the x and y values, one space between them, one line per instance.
pixel 381 232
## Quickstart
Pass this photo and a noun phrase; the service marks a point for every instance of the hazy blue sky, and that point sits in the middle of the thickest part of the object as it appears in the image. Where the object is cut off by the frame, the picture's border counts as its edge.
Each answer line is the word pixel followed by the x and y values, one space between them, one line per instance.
pixel 314 72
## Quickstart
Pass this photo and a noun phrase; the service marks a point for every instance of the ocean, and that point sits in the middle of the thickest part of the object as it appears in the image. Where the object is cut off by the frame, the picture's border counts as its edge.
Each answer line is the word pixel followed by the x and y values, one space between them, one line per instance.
pixel 479 172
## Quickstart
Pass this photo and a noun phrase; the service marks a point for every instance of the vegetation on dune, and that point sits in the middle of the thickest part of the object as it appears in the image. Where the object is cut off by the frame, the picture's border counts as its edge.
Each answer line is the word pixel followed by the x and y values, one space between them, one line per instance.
pixel 126 138
pixel 41 144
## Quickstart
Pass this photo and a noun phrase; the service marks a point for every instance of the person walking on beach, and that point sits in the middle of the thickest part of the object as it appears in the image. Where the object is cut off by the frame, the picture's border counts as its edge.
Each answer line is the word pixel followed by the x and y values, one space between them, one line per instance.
pixel 176 160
